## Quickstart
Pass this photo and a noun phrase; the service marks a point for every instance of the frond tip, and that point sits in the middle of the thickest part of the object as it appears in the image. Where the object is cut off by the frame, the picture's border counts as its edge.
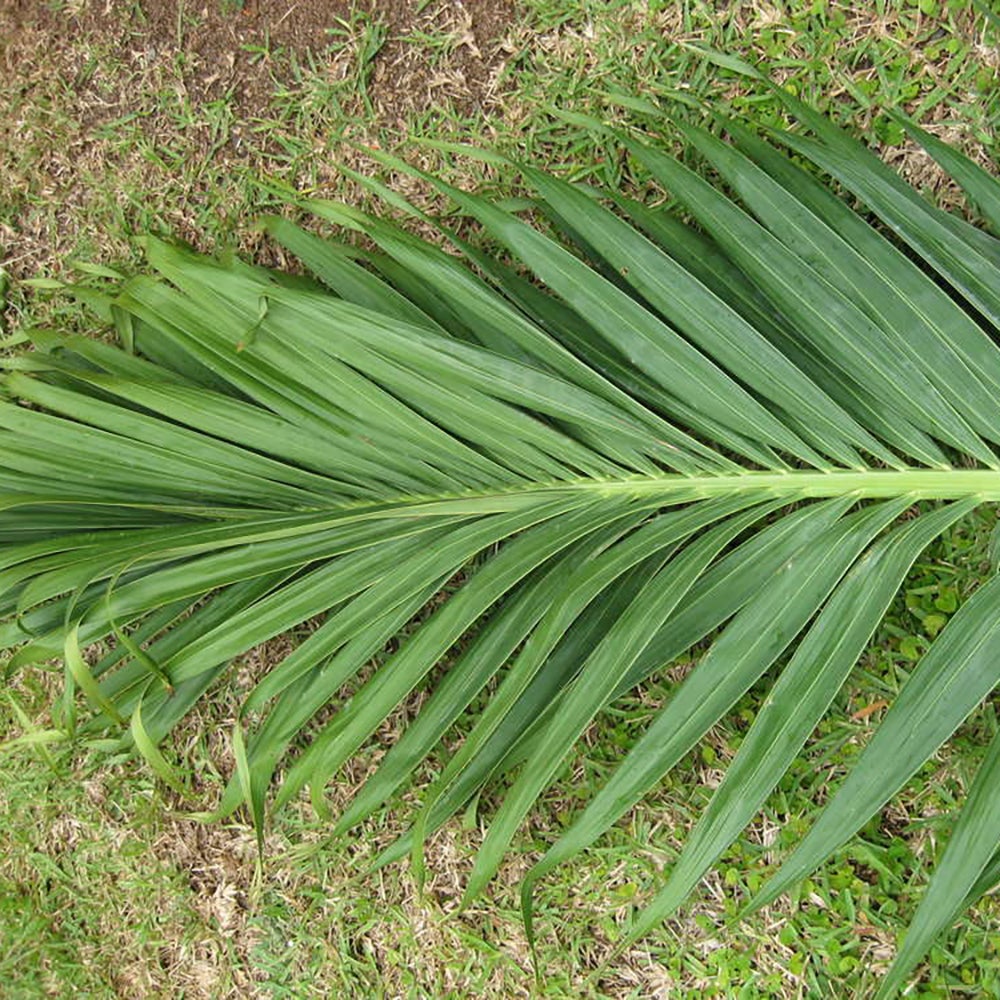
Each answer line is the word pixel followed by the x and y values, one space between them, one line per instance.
pixel 672 430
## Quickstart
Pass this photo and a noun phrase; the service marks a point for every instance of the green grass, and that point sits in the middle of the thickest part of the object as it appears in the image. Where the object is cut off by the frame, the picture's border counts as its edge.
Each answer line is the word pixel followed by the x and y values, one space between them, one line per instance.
pixel 106 889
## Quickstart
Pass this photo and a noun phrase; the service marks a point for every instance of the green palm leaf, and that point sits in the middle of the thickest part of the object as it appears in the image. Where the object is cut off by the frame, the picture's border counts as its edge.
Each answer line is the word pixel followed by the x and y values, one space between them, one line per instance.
pixel 661 430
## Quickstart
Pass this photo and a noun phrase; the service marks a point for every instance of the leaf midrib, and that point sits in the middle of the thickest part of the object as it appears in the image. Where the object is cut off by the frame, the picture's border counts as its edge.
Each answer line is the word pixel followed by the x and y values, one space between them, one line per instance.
pixel 921 484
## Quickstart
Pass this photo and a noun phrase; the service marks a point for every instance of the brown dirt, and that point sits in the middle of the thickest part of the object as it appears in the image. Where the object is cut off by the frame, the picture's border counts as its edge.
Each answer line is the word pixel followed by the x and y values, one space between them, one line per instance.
pixel 240 47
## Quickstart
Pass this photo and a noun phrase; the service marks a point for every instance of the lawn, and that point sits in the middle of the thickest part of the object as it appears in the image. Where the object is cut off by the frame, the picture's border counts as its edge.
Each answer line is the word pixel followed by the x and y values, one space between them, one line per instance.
pixel 190 119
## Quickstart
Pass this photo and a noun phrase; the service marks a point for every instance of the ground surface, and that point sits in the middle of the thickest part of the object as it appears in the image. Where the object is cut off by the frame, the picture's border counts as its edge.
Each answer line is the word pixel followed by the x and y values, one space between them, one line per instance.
pixel 187 117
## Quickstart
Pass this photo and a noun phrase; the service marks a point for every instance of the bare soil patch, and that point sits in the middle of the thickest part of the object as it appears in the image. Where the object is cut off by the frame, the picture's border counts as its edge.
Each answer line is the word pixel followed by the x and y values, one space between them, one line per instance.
pixel 241 48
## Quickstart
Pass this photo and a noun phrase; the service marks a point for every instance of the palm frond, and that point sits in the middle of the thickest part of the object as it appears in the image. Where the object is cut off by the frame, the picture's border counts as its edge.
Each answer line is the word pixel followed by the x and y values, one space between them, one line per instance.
pixel 650 432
